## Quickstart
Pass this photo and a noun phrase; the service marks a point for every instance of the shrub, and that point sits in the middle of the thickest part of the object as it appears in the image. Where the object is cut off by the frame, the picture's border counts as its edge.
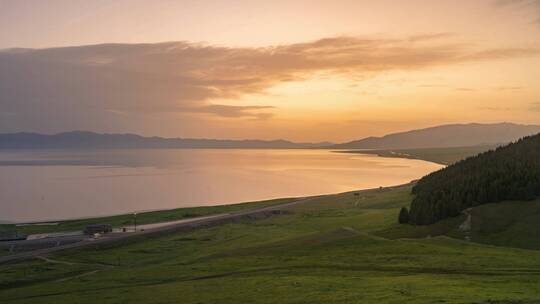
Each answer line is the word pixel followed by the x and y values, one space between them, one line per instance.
pixel 404 216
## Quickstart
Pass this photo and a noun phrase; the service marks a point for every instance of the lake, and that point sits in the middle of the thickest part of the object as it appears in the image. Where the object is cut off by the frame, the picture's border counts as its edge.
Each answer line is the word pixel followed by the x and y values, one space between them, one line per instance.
pixel 45 185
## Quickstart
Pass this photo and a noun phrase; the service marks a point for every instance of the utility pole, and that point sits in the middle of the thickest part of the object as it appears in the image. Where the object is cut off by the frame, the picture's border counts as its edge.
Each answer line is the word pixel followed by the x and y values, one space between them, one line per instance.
pixel 135 220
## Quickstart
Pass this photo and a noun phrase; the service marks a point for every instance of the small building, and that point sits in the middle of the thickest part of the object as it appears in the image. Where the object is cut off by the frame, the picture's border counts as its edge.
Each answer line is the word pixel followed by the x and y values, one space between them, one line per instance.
pixel 12 236
pixel 97 228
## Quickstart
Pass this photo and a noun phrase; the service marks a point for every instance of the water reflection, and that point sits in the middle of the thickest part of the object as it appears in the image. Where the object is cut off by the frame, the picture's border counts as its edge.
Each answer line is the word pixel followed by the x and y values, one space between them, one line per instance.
pixel 38 185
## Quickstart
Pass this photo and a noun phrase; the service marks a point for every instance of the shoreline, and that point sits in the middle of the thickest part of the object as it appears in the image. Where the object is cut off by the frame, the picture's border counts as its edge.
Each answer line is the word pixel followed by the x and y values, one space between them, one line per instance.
pixel 333 173
pixel 52 244
pixel 390 154
pixel 33 228
pixel 54 222
pixel 440 156
pixel 122 237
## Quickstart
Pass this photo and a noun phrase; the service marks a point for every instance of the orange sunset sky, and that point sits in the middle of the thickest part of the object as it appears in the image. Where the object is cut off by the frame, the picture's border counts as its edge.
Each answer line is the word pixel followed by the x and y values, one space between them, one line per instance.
pixel 299 70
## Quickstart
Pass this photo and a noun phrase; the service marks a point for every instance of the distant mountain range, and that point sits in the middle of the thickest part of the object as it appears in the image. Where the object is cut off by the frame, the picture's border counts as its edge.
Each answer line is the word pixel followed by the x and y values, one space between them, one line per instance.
pixel 85 140
pixel 455 135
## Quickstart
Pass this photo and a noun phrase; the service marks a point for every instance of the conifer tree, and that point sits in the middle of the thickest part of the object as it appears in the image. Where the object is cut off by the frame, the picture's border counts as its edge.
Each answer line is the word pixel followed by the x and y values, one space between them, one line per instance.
pixel 404 216
pixel 510 173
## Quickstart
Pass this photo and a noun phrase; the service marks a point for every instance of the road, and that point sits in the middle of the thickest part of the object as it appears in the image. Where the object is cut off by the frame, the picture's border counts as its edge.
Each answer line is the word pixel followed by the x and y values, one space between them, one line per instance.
pixel 176 226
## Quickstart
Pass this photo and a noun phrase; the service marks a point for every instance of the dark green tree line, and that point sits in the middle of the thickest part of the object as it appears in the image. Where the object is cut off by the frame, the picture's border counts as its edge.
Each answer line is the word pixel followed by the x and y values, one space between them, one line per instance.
pixel 511 172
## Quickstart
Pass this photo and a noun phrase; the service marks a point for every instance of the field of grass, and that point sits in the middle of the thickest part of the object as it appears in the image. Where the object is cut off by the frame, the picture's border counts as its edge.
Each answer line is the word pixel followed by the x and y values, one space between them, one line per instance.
pixel 337 249
pixel 444 156
pixel 143 217
pixel 515 224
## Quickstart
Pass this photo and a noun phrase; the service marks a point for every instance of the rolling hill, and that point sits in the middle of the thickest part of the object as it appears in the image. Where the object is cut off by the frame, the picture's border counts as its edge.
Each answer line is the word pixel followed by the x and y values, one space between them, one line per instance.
pixel 327 251
pixel 507 173
pixel 83 139
pixel 456 135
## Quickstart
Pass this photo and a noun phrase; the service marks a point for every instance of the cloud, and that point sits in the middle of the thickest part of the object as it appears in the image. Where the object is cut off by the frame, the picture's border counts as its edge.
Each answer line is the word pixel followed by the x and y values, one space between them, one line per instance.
pixel 433 36
pixel 535 107
pixel 231 111
pixel 85 86
pixel 496 109
pixel 521 4
pixel 508 88
pixel 431 86
pixel 515 2
pixel 508 2
pixel 503 53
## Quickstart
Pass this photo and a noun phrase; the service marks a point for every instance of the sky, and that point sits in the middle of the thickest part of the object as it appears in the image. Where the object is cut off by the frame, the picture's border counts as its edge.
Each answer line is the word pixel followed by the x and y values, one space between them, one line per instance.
pixel 299 70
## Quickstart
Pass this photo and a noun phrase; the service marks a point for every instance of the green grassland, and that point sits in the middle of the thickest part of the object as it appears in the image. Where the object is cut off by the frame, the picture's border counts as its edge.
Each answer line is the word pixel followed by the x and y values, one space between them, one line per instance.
pixel 336 249
pixel 515 224
pixel 143 217
pixel 444 156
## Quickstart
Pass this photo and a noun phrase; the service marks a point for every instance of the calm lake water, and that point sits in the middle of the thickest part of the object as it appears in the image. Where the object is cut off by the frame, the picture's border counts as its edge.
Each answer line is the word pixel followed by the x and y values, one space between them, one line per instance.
pixel 44 185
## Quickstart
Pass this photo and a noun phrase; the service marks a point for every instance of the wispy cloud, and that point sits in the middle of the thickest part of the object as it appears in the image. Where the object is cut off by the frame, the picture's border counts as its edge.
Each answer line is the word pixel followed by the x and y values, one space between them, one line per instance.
pixel 257 112
pixel 515 2
pixel 85 83
pixel 508 88
pixel 496 109
pixel 521 4
pixel 431 86
pixel 535 107
pixel 431 36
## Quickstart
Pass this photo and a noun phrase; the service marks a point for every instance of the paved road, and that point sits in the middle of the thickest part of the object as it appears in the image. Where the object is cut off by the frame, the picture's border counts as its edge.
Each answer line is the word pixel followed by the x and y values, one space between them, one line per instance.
pixel 182 225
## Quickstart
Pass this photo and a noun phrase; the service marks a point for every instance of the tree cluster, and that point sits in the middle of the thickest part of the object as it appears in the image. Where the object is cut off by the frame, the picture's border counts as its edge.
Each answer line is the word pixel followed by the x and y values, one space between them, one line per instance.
pixel 403 216
pixel 511 172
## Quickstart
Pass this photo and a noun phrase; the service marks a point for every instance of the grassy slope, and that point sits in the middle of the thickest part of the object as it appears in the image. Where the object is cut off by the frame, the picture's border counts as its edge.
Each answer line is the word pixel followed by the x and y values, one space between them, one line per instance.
pixel 329 251
pixel 511 224
pixel 144 217
pixel 444 156
pixel 514 224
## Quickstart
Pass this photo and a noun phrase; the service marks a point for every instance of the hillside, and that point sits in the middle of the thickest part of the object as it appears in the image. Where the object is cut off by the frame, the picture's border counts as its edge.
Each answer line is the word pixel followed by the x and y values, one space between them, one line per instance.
pixel 83 139
pixel 326 251
pixel 456 135
pixel 511 224
pixel 443 156
pixel 507 173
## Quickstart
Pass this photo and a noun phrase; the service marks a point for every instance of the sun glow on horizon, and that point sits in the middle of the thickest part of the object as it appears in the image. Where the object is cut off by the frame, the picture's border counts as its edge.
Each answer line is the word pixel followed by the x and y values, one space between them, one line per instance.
pixel 340 72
